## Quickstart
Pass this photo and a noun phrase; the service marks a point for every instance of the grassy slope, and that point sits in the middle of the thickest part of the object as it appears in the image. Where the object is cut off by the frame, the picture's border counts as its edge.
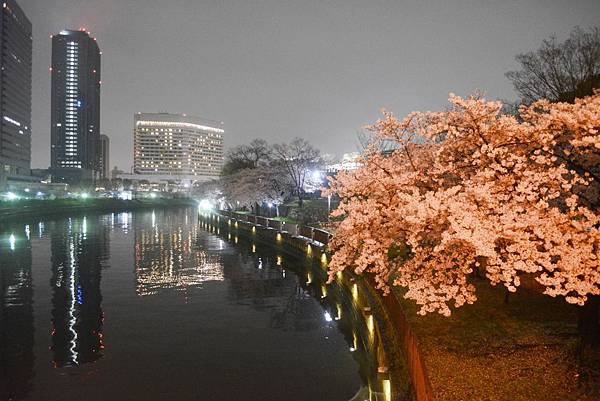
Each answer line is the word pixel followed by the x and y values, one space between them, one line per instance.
pixel 523 350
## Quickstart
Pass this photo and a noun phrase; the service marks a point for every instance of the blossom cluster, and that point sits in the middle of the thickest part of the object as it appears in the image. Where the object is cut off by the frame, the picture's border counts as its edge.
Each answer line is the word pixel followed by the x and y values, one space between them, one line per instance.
pixel 471 190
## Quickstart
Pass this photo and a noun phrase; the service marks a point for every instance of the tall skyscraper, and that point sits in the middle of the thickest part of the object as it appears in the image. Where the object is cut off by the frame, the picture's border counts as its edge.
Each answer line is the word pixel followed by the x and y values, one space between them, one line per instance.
pixel 15 92
pixel 176 146
pixel 104 157
pixel 75 130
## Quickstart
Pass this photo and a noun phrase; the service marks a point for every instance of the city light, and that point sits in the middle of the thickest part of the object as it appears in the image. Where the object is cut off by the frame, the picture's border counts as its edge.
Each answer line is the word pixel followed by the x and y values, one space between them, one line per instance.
pixel 11 196
pixel 125 195
pixel 84 195
pixel 387 390
pixel 205 205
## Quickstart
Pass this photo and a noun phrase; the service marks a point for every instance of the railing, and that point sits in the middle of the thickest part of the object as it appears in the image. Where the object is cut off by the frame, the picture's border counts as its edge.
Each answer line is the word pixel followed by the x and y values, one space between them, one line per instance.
pixel 290 228
pixel 295 230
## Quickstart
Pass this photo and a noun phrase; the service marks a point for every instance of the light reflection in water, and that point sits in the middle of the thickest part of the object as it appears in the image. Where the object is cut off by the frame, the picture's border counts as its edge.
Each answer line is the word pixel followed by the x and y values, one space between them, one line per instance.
pixel 79 248
pixel 345 308
pixel 257 297
pixel 168 259
pixel 16 317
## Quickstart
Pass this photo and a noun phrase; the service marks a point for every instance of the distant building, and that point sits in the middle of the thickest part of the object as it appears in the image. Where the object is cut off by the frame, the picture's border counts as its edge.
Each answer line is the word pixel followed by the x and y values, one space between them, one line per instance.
pixel 41 174
pixel 15 90
pixel 348 162
pixel 75 116
pixel 104 162
pixel 175 147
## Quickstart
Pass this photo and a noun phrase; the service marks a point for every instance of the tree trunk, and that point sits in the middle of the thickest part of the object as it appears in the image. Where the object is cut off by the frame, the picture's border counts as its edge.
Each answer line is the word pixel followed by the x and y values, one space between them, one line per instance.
pixel 588 321
pixel 506 295
pixel 300 197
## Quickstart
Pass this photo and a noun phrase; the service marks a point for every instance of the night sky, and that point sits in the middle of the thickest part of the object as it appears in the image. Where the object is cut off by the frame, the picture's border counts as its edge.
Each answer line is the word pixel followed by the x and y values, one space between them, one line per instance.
pixel 277 69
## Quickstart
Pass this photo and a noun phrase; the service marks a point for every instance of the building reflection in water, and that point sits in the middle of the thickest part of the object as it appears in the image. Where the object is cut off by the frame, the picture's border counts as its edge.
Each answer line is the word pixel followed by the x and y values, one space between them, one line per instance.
pixel 16 315
pixel 79 247
pixel 167 256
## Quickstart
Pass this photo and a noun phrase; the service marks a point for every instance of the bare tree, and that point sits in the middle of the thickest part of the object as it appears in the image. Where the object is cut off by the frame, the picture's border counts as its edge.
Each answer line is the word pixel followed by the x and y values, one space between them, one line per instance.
pixel 560 71
pixel 299 159
pixel 257 153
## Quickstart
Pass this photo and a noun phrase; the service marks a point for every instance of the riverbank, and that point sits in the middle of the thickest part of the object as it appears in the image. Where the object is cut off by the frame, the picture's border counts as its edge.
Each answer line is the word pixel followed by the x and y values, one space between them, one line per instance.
pixel 399 365
pixel 14 211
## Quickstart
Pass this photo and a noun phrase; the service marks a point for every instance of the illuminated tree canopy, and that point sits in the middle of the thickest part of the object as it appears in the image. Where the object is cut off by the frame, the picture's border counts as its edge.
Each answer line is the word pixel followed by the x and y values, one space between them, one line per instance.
pixel 471 188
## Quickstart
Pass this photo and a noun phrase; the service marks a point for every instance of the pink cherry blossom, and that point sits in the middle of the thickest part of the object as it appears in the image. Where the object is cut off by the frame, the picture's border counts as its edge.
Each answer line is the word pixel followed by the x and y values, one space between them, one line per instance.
pixel 470 188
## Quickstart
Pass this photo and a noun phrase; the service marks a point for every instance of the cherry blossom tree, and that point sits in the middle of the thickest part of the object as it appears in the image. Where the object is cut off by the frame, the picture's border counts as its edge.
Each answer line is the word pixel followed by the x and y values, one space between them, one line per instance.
pixel 471 189
pixel 252 187
pixel 299 159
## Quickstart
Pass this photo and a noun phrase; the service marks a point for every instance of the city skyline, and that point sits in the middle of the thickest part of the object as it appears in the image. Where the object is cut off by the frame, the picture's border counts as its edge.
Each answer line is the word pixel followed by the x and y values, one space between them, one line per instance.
pixel 276 71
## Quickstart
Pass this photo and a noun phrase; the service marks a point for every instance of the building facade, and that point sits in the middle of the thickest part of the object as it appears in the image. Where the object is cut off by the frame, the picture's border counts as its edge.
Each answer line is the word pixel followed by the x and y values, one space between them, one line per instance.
pixel 104 157
pixel 15 93
pixel 75 116
pixel 177 147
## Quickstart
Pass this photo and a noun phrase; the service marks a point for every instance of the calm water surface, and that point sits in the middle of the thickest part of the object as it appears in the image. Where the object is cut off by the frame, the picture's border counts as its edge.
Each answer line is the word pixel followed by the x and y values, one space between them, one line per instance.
pixel 149 306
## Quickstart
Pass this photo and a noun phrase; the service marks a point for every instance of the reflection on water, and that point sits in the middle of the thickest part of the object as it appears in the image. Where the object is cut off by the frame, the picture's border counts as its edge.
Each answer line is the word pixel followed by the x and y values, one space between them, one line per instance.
pixel 16 317
pixel 77 316
pixel 157 306
pixel 166 260
pixel 345 305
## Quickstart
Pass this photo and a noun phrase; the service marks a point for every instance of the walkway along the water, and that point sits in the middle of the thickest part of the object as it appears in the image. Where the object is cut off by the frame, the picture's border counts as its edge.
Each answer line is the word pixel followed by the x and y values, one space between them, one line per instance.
pixel 393 341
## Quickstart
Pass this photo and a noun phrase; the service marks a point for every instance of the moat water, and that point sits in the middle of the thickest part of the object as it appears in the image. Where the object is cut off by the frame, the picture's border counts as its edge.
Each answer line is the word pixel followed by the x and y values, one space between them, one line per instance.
pixel 152 306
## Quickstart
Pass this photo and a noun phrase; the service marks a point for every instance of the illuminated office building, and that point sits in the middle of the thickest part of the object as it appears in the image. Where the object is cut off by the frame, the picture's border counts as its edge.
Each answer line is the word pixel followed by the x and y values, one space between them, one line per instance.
pixel 177 147
pixel 15 90
pixel 75 116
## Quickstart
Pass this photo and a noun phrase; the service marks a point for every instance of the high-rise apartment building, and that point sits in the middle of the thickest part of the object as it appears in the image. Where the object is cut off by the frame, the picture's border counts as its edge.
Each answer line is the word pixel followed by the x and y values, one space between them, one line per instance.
pixel 178 147
pixel 104 162
pixel 75 116
pixel 15 92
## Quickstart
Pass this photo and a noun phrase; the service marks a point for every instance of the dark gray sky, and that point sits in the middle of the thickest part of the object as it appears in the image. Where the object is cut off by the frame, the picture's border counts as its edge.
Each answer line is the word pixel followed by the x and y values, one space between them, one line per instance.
pixel 276 69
